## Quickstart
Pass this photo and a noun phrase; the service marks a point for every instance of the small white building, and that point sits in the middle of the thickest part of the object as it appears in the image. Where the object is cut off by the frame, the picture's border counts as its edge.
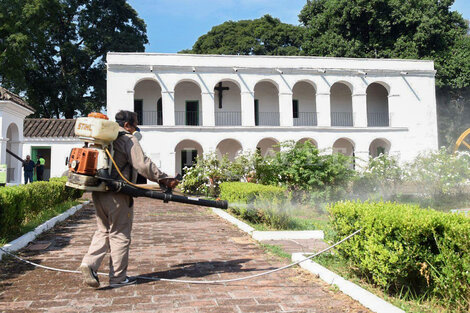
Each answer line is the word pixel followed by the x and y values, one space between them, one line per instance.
pixel 193 104
pixel 13 110
pixel 53 139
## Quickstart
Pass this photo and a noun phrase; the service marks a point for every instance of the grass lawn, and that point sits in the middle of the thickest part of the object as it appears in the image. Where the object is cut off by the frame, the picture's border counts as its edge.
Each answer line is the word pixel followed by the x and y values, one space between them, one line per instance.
pixel 33 221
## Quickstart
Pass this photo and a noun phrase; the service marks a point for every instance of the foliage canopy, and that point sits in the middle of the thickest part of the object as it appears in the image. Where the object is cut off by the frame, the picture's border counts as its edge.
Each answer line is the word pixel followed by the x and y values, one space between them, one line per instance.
pixel 263 36
pixel 53 51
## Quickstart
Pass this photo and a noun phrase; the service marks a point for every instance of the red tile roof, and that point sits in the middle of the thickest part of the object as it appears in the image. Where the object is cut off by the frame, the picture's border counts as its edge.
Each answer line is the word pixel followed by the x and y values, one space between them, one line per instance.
pixel 48 127
pixel 10 96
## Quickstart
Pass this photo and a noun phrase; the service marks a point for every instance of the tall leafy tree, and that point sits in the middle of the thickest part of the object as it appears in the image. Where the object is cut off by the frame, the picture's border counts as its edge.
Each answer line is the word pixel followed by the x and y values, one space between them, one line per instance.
pixel 263 36
pixel 419 29
pixel 53 51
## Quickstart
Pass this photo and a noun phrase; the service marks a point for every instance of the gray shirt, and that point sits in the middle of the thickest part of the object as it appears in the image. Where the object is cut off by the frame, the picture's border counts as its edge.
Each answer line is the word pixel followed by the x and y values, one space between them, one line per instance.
pixel 131 160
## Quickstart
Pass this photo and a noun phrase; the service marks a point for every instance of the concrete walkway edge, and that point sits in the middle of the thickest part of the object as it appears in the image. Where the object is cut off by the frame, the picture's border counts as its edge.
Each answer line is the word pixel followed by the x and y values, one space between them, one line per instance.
pixel 356 292
pixel 24 240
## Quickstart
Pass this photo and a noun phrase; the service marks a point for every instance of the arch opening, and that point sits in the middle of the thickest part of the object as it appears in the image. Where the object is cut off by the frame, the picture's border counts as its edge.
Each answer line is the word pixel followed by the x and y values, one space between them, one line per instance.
pixel 304 106
pixel 345 147
pixel 186 152
pixel 13 144
pixel 307 139
pixel 230 148
pixel 268 146
pixel 377 106
pixel 379 146
pixel 148 102
pixel 266 104
pixel 341 105
pixel 227 103
pixel 188 104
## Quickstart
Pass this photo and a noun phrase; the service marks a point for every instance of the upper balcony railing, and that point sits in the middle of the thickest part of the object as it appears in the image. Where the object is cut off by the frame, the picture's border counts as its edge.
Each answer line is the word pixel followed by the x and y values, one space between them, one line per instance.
pixel 151 118
pixel 191 118
pixel 188 118
pixel 228 118
pixel 306 119
pixel 341 119
pixel 378 120
pixel 267 119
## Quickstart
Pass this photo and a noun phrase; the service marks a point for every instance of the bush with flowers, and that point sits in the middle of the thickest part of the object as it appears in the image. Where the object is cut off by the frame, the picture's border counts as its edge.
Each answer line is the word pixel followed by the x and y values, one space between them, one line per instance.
pixel 210 170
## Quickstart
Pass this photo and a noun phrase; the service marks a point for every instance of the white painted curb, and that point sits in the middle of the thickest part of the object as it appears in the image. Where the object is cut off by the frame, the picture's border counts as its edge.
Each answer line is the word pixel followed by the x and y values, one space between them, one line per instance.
pixel 287 235
pixel 243 226
pixel 365 297
pixel 269 235
pixel 24 240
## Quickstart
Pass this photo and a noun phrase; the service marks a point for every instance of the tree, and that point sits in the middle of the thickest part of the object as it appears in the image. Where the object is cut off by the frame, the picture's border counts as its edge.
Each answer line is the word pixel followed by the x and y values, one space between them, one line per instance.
pixel 420 29
pixel 53 51
pixel 263 36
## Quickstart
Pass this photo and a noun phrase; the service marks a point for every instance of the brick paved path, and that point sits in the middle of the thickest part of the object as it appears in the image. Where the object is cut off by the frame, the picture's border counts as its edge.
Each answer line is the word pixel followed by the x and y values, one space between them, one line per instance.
pixel 169 241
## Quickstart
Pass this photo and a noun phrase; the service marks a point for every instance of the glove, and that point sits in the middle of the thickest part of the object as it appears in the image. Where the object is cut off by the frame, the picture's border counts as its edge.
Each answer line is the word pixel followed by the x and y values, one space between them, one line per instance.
pixel 169 183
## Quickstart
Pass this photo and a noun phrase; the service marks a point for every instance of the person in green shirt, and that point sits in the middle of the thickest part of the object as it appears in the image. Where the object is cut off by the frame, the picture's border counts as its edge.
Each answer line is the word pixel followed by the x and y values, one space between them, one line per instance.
pixel 40 168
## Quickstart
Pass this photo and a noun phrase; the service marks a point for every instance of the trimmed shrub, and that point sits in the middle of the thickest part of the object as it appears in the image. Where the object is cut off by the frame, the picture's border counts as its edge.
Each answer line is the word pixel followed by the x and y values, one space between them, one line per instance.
pixel 405 246
pixel 258 204
pixel 238 192
pixel 18 203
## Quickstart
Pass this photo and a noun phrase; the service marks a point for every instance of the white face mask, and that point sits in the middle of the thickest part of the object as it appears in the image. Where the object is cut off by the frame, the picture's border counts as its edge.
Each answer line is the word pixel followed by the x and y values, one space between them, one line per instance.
pixel 137 135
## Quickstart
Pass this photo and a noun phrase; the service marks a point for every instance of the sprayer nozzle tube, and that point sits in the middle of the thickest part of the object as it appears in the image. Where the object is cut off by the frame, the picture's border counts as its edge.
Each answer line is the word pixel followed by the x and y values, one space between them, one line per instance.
pixel 120 186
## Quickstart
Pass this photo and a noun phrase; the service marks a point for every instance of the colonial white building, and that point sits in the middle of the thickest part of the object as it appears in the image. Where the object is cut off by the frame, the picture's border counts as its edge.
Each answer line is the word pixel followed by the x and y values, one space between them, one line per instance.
pixel 193 104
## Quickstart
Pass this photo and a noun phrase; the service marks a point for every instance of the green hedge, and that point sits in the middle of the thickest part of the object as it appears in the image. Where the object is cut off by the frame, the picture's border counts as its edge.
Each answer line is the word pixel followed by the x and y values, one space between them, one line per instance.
pixel 17 203
pixel 404 246
pixel 237 192
pixel 258 204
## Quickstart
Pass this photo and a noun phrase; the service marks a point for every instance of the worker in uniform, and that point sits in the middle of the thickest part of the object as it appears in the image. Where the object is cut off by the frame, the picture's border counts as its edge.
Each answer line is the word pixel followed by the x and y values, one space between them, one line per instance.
pixel 40 165
pixel 114 210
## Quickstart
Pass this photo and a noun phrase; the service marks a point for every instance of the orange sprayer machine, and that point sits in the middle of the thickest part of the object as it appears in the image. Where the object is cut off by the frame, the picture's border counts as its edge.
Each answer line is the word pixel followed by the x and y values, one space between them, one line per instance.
pixel 98 133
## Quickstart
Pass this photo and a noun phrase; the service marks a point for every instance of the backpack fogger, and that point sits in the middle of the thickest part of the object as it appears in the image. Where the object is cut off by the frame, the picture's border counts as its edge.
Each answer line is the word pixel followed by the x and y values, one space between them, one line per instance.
pixel 90 166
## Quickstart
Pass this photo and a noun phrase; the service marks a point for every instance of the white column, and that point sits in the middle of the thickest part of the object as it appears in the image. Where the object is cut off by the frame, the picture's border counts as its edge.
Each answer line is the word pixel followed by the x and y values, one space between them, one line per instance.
pixel 172 163
pixel 362 158
pixel 248 108
pixel 168 108
pixel 359 108
pixel 3 152
pixel 285 109
pixel 393 109
pixel 323 109
pixel 208 111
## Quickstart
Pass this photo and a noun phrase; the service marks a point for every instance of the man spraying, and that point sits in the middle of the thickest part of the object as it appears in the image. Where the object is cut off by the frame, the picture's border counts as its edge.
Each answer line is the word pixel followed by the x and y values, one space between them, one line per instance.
pixel 114 210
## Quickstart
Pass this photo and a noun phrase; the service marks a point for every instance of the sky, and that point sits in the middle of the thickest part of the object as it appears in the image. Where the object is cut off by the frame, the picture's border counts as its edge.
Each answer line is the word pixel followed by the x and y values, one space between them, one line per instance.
pixel 174 25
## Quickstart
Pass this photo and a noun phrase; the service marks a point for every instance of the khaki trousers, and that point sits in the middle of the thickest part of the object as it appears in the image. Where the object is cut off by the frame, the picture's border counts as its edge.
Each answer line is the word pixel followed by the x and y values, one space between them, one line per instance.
pixel 114 214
